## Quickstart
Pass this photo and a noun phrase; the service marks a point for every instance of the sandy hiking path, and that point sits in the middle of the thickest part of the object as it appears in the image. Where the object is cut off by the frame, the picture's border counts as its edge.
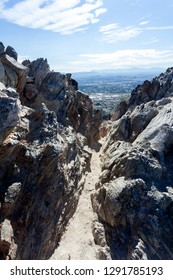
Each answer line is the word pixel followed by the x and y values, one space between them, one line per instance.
pixel 77 242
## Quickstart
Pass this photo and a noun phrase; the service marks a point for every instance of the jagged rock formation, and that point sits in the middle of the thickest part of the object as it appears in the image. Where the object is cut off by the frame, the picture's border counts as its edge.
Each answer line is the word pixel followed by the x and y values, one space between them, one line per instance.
pixel 134 196
pixel 42 155
pixel 45 127
pixel 41 173
pixel 60 94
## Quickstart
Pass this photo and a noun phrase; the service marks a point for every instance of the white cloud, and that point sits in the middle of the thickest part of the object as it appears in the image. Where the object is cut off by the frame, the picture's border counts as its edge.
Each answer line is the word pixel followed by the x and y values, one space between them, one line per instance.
pixel 113 33
pixel 169 27
pixel 151 41
pixel 144 22
pixel 61 16
pixel 123 59
pixel 100 11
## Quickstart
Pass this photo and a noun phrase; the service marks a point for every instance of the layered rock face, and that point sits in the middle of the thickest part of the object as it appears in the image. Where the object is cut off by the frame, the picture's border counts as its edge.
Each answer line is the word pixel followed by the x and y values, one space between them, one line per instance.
pixel 45 125
pixel 134 196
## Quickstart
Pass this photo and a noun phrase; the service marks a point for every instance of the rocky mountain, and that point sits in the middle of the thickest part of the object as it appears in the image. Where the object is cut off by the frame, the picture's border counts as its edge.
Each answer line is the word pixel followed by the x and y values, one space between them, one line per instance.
pixel 134 196
pixel 49 153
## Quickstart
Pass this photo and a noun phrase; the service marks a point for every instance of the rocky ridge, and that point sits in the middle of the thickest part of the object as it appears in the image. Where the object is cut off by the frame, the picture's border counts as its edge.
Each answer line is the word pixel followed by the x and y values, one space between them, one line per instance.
pixel 45 125
pixel 134 196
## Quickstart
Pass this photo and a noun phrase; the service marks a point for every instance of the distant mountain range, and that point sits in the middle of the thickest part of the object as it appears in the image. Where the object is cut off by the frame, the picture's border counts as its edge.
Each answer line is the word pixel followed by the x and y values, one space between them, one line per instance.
pixel 128 72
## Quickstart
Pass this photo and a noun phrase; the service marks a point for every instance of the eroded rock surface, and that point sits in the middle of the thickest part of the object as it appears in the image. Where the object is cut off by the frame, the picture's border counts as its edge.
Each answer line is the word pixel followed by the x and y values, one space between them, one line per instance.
pixel 9 113
pixel 45 125
pixel 134 196
pixel 60 94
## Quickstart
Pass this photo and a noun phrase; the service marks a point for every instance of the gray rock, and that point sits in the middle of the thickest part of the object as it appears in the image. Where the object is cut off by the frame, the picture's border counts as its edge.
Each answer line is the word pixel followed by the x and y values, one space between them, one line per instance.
pixel 120 111
pixel 2 48
pixel 12 193
pixel 156 89
pixel 10 77
pixel 30 91
pixel 133 198
pixel 59 93
pixel 42 157
pixel 11 92
pixel 9 115
pixel 2 87
pixel 6 231
pixel 11 52
pixel 38 69
pixel 2 73
pixel 45 160
pixel 16 73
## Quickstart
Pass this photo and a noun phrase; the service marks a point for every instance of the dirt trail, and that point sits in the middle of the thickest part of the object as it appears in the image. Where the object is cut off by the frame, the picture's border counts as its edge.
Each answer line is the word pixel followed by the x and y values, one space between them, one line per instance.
pixel 77 243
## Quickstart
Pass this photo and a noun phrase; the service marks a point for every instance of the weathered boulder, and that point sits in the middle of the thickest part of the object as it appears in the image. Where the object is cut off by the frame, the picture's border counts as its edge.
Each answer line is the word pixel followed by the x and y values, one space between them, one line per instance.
pixel 11 52
pixel 38 69
pixel 120 111
pixel 9 115
pixel 2 87
pixel 104 129
pixel 30 91
pixel 15 73
pixel 2 48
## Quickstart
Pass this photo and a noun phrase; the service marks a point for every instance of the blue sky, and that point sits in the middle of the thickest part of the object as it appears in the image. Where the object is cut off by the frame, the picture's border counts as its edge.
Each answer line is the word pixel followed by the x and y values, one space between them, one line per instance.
pixel 85 35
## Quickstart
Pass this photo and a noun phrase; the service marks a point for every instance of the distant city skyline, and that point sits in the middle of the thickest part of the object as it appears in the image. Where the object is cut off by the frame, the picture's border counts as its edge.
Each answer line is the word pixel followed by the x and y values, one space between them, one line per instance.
pixel 90 35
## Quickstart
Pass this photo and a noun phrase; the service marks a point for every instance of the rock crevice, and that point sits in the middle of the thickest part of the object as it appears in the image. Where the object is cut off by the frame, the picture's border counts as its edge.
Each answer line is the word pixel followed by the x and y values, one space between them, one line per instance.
pixel 51 182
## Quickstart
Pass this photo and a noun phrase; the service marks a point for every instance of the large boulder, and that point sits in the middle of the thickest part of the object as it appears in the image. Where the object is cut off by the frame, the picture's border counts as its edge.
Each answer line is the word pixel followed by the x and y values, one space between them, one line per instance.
pixel 15 73
pixel 11 52
pixel 38 69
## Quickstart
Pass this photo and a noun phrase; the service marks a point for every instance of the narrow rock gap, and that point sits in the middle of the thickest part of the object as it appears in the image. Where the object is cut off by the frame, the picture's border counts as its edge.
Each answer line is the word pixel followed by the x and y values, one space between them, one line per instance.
pixel 78 241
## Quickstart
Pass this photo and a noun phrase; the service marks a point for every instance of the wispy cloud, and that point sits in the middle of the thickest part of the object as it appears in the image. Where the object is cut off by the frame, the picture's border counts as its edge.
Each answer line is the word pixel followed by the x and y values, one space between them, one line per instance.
pixel 168 27
pixel 144 22
pixel 113 33
pixel 61 16
pixel 152 41
pixel 124 59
